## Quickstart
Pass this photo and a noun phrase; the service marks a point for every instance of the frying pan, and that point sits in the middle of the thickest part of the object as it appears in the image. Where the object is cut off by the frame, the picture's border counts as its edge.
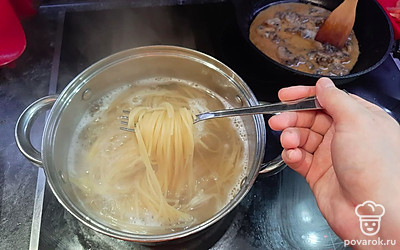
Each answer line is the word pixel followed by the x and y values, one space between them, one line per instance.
pixel 372 28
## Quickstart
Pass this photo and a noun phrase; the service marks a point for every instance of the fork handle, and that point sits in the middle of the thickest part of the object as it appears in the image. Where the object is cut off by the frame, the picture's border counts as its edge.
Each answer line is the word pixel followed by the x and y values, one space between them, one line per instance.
pixel 309 103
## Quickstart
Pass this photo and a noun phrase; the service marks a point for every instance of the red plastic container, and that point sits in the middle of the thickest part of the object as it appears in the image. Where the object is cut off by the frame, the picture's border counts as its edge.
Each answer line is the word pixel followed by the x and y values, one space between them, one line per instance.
pixel 12 35
pixel 392 9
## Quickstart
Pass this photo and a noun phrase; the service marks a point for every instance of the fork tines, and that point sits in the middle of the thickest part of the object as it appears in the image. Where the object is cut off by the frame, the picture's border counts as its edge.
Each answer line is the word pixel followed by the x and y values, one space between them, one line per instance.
pixel 125 123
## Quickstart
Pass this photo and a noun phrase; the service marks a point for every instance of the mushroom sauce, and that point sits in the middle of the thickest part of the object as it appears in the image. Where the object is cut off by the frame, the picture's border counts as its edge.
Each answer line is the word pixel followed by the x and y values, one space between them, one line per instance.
pixel 285 32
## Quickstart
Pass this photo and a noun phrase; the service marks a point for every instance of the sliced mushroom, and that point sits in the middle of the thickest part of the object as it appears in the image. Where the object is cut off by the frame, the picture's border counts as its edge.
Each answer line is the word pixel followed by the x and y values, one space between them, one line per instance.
pixel 310 65
pixel 269 29
pixel 308 34
pixel 275 22
pixel 316 11
pixel 280 15
pixel 296 30
pixel 275 38
pixel 301 60
pixel 318 71
pixel 265 31
pixel 293 18
pixel 323 59
pixel 311 54
pixel 348 46
pixel 286 56
pixel 342 56
pixel 338 69
pixel 318 20
pixel 329 49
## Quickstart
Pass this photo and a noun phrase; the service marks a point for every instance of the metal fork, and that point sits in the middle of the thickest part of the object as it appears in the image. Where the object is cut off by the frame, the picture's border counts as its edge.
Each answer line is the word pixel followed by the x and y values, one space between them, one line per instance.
pixel 309 103
pixel 124 119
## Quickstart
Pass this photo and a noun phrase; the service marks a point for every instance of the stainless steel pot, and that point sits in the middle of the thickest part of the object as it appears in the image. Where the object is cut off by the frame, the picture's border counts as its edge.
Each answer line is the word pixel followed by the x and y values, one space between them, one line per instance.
pixel 163 62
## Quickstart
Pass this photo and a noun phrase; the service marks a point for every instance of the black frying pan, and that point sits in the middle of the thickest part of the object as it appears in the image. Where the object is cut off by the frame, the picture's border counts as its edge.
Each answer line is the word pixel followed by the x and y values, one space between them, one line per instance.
pixel 372 28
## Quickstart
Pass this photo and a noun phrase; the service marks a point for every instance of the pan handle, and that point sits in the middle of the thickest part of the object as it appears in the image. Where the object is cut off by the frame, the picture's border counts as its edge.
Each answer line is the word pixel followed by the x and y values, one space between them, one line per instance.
pixel 396 50
pixel 24 126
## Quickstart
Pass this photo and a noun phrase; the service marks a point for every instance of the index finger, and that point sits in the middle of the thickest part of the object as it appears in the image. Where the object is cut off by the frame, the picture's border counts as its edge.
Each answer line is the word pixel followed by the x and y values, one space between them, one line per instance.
pixel 296 92
pixel 317 121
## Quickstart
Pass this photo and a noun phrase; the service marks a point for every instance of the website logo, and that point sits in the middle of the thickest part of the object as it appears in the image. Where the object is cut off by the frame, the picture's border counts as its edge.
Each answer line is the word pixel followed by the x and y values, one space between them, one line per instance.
pixel 370 214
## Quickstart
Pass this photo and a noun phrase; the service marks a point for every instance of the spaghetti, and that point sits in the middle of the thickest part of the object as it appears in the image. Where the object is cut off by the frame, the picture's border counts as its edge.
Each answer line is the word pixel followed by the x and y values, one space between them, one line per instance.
pixel 168 174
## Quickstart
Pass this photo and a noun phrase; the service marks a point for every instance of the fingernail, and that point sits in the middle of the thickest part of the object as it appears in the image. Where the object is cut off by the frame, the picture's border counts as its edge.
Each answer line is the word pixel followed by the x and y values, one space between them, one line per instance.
pixel 289 154
pixel 326 82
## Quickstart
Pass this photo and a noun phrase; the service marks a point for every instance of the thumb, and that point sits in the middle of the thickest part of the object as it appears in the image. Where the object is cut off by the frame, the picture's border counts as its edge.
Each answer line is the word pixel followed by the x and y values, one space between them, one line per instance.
pixel 338 104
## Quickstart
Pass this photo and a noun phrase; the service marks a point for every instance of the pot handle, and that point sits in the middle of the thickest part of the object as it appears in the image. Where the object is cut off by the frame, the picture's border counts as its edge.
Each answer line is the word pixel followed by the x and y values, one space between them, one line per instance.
pixel 275 165
pixel 272 167
pixel 24 126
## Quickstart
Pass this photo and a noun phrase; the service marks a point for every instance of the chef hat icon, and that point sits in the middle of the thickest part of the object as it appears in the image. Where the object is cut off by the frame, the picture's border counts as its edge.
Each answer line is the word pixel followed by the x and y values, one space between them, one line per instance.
pixel 370 210
pixel 370 214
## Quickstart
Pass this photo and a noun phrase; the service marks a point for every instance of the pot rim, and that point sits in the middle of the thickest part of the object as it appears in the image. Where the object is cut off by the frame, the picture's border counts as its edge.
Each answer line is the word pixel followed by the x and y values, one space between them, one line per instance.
pixel 79 82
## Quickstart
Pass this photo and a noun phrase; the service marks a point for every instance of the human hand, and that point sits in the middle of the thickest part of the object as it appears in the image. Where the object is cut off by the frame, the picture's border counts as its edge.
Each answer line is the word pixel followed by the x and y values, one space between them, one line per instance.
pixel 349 153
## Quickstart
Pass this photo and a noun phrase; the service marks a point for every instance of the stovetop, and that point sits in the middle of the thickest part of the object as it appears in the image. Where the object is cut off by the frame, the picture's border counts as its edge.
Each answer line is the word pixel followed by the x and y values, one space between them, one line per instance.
pixel 280 211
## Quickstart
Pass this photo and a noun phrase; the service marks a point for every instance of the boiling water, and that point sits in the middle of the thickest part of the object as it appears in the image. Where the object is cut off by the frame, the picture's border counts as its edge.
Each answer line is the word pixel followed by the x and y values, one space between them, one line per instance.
pixel 114 204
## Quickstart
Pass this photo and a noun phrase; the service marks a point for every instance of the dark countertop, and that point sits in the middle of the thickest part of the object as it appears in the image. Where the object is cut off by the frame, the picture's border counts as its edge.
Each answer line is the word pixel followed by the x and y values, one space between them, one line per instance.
pixel 19 87
pixel 279 211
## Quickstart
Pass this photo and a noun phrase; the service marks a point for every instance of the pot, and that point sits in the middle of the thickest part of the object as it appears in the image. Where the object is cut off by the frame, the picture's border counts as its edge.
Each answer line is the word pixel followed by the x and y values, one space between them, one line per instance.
pixel 163 62
pixel 372 28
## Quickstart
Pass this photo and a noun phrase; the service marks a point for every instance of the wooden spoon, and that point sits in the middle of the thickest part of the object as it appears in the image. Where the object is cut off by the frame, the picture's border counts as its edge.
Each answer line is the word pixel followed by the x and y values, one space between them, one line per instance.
pixel 337 27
